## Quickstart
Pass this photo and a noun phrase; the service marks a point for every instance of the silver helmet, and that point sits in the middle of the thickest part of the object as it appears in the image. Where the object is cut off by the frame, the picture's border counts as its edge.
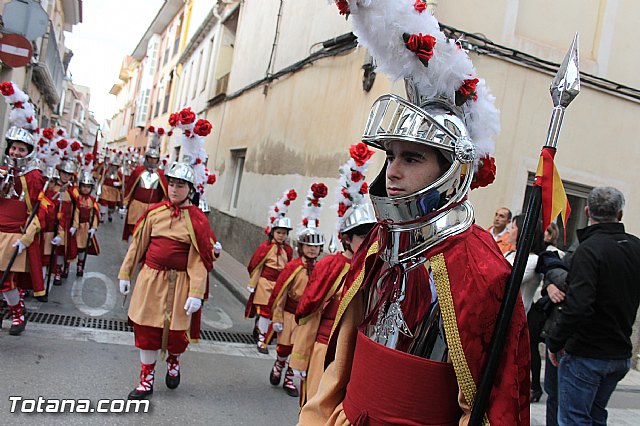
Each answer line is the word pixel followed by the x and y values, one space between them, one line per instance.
pixel 182 171
pixel 358 214
pixel 152 153
pixel 68 166
pixel 18 134
pixel 311 235
pixel 282 222
pixel 86 179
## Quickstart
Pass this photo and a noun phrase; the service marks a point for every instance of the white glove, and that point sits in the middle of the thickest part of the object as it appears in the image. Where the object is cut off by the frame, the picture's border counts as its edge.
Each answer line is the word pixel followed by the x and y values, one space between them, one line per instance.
pixel 251 289
pixel 20 246
pixel 192 305
pixel 125 285
pixel 123 212
pixel 92 232
pixel 116 184
pixel 278 327
pixel 72 231
pixel 57 240
pixel 217 248
pixel 300 374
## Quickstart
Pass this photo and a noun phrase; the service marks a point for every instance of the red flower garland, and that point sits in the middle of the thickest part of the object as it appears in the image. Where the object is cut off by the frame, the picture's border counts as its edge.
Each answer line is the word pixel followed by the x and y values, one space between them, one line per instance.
pixel 486 173
pixel 421 45
pixel 467 91
pixel 360 153
pixel 7 88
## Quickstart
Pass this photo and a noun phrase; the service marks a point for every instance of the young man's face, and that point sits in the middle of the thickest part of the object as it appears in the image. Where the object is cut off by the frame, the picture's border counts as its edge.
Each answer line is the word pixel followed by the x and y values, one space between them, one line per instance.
pixel 310 252
pixel 64 176
pixel 18 150
pixel 178 190
pixel 410 167
pixel 152 161
pixel 85 189
pixel 280 235
pixel 501 219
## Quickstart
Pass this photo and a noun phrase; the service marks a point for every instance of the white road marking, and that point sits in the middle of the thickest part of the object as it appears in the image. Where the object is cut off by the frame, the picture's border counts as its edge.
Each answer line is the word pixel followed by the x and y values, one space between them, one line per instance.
pixel 223 323
pixel 48 331
pixel 76 294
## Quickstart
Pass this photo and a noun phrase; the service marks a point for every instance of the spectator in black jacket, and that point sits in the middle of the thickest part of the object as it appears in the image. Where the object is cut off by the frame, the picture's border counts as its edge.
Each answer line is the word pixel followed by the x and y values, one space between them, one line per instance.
pixel 594 326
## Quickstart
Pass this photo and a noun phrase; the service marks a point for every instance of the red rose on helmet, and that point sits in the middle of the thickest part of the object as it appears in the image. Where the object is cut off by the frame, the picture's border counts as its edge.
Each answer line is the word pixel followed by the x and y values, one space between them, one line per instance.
pixel 420 5
pixel 421 45
pixel 202 128
pixel 174 119
pixel 88 157
pixel 343 7
pixel 305 222
pixel 364 189
pixel 292 195
pixel 30 119
pixel 62 143
pixel 356 176
pixel 152 129
pixel 319 190
pixel 17 104
pixel 211 179
pixel 187 116
pixel 342 209
pixel 42 142
pixel 360 153
pixel 160 131
pixel 7 88
pixel 76 146
pixel 345 193
pixel 467 91
pixel 486 173
pixel 187 133
pixel 286 202
pixel 60 132
pixel 170 133
pixel 276 209
pixel 48 133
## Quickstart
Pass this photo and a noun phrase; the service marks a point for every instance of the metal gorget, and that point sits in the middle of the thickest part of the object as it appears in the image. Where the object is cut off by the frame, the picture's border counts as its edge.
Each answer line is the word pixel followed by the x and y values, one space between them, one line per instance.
pixel 149 180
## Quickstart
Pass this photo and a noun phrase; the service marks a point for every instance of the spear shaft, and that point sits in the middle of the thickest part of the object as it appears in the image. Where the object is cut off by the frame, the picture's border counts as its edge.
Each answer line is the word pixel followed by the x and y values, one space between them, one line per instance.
pixel 564 88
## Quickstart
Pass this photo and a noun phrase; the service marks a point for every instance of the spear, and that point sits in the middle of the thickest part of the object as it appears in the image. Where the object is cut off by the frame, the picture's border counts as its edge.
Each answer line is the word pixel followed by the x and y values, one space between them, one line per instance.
pixel 564 88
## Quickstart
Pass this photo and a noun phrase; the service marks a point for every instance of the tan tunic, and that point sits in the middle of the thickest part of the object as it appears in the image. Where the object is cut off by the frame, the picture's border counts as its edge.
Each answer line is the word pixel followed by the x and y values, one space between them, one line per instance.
pixel 294 291
pixel 265 286
pixel 6 246
pixel 149 298
pixel 136 210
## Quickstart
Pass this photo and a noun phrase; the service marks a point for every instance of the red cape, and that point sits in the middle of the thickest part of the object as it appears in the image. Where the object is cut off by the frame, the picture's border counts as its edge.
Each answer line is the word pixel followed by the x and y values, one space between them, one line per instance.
pixel 281 282
pixel 322 279
pixel 477 274
pixel 262 251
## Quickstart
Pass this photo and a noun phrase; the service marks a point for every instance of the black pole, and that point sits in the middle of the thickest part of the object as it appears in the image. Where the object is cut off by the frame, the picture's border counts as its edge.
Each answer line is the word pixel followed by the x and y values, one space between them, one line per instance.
pixel 525 241
pixel 52 257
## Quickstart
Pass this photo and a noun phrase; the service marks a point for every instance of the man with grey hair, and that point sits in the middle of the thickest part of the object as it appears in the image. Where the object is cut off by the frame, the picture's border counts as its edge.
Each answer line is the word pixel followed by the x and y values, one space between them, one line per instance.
pixel 592 339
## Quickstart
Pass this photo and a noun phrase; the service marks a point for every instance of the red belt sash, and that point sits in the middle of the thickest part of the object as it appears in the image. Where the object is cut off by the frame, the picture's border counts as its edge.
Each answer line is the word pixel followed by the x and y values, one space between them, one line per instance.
pixel 164 254
pixel 291 305
pixel 148 196
pixel 13 215
pixel 270 274
pixel 389 387
pixel 326 321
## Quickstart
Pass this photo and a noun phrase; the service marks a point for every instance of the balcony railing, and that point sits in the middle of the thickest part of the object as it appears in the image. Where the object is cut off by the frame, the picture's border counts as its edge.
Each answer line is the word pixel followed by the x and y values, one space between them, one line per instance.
pixel 49 71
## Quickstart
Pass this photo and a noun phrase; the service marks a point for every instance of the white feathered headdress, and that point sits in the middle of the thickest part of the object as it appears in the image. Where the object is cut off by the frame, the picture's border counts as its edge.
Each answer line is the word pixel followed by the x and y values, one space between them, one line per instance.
pixel 280 209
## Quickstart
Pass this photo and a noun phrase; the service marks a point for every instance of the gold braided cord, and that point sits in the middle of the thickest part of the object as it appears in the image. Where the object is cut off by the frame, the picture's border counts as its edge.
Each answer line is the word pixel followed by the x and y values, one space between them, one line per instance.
pixel 353 290
pixel 286 285
pixel 456 352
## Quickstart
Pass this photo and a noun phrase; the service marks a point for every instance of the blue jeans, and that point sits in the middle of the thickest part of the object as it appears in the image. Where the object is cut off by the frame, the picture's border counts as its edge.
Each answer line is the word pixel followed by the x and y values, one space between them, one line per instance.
pixel 551 388
pixel 585 386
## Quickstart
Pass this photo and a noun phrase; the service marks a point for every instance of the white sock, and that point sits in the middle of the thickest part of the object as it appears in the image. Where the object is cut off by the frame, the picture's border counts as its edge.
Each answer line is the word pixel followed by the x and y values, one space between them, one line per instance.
pixel 60 260
pixel 282 358
pixel 263 325
pixel 148 357
pixel 44 273
pixel 12 297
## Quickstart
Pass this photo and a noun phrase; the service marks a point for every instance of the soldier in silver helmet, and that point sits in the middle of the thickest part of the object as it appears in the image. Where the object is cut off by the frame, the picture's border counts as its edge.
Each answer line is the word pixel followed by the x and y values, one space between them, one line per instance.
pixel 292 283
pixel 265 266
pixel 20 187
pixel 145 186
pixel 86 220
pixel 111 187
pixel 175 241
pixel 60 229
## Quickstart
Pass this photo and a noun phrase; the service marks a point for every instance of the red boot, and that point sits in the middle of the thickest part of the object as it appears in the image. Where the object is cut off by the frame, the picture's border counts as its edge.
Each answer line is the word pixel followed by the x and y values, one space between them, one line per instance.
pixel 18 321
pixel 276 373
pixel 145 387
pixel 80 269
pixel 288 385
pixel 172 378
pixel 262 344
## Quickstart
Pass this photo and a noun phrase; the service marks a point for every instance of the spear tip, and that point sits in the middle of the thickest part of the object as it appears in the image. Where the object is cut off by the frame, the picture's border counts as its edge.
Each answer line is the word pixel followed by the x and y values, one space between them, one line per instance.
pixel 566 84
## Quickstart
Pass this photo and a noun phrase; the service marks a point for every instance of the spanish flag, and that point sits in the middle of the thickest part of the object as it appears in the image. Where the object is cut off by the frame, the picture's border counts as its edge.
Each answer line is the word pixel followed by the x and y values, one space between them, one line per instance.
pixel 554 199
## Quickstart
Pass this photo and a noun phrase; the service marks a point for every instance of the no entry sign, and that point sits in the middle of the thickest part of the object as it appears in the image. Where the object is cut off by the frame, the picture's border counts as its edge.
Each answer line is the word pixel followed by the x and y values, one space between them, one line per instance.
pixel 15 50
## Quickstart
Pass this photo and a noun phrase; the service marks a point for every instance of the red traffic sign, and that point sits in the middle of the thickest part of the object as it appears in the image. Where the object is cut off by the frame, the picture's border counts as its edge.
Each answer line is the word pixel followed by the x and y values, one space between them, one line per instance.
pixel 15 50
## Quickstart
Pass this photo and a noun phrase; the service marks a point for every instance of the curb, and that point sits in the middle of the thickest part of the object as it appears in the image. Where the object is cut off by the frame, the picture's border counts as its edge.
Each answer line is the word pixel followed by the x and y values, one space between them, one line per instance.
pixel 228 282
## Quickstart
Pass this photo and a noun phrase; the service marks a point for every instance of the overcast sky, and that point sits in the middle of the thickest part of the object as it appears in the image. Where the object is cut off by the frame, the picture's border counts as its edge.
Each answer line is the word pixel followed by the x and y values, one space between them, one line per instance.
pixel 110 29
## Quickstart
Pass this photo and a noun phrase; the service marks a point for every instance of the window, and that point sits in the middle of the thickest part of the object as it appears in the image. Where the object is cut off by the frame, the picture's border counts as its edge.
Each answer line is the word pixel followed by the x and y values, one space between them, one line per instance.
pixel 167 94
pixel 577 195
pixel 197 76
pixel 178 34
pixel 237 166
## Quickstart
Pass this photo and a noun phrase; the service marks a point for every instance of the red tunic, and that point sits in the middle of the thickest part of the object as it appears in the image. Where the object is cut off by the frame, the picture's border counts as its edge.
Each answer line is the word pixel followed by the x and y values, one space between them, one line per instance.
pixel 133 191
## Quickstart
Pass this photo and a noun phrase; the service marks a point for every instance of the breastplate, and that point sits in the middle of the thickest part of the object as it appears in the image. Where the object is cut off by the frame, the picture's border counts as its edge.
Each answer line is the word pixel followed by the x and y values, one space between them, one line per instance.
pixel 149 180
